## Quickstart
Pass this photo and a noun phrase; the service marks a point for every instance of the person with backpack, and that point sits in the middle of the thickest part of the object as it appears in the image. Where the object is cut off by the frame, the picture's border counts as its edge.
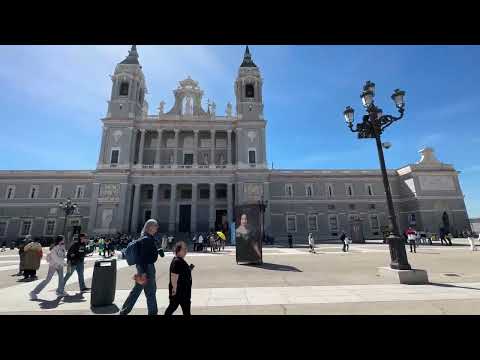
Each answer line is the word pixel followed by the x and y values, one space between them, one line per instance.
pixel 56 262
pixel 180 286
pixel 76 262
pixel 143 253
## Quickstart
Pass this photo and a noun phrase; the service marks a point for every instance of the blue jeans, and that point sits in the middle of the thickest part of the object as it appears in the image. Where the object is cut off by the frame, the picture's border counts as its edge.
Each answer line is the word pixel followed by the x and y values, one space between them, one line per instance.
pixel 51 271
pixel 150 289
pixel 79 267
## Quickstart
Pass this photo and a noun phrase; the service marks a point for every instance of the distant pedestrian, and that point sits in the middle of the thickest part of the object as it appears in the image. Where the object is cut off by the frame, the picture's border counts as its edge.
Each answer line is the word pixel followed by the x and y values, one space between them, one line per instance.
pixel 4 246
pixel 347 242
pixel 195 242
pixel 21 254
pixel 471 240
pixel 76 262
pixel 33 257
pixel 147 255
pixel 56 262
pixel 170 242
pixel 180 286
pixel 412 237
pixel 443 237
pixel 290 241
pixel 164 242
pixel 311 243
pixel 200 242
pixel 449 239
pixel 343 237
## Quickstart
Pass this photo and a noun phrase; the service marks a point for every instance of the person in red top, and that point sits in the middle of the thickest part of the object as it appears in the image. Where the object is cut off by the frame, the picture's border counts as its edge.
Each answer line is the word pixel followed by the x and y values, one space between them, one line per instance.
pixel 411 236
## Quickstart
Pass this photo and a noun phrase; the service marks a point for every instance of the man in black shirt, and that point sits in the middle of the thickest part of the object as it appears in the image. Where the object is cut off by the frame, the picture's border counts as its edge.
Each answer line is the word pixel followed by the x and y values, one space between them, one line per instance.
pixel 75 261
pixel 180 286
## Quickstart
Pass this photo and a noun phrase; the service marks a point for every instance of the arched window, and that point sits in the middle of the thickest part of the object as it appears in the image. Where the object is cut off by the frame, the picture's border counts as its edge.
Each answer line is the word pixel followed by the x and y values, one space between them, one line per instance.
pixel 124 89
pixel 249 91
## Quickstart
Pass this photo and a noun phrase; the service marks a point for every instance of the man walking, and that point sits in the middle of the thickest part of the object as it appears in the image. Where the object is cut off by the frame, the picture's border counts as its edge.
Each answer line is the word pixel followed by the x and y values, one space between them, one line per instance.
pixel 342 239
pixel 290 241
pixel 412 237
pixel 180 286
pixel 76 262
pixel 311 243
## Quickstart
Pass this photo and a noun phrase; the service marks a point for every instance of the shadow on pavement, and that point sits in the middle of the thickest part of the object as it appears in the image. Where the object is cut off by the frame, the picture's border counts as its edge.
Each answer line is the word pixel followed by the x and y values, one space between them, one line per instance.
pixel 105 310
pixel 53 304
pixel 454 286
pixel 276 267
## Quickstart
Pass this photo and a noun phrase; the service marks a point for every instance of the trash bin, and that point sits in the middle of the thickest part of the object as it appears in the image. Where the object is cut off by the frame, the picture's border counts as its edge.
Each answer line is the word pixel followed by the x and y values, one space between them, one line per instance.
pixel 104 283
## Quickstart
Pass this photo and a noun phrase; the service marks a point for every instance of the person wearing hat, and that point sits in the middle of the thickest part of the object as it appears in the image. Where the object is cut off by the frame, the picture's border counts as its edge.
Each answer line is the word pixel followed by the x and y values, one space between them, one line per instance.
pixel 33 257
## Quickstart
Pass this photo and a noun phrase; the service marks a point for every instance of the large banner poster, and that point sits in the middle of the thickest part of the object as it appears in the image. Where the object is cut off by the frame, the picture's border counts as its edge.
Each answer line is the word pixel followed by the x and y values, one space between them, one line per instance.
pixel 248 234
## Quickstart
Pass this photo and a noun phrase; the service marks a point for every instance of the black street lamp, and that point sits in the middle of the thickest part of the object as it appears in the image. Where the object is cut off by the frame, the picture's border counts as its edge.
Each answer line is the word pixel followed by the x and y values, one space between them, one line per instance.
pixel 262 206
pixel 68 208
pixel 373 125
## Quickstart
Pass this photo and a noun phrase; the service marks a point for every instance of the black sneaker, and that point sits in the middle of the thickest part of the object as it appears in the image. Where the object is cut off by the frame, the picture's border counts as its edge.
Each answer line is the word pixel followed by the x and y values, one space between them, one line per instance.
pixel 85 289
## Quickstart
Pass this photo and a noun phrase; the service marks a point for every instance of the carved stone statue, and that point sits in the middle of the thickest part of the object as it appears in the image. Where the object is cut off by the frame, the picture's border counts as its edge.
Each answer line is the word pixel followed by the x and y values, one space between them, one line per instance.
pixel 214 108
pixel 205 159
pixel 228 111
pixel 161 107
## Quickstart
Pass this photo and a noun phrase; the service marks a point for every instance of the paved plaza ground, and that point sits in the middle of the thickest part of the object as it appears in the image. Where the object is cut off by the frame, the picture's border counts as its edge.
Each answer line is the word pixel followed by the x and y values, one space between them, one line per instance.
pixel 291 281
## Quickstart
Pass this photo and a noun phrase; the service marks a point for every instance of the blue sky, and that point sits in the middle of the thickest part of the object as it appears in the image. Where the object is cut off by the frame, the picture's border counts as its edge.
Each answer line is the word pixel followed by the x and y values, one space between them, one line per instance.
pixel 52 99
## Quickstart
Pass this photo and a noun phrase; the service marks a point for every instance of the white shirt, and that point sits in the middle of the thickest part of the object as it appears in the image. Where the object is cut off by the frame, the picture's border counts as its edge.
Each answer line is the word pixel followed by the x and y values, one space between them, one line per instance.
pixel 200 239
pixel 311 241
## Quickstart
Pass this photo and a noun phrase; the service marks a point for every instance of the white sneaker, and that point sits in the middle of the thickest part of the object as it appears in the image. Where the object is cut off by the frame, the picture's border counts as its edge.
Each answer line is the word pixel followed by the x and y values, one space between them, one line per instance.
pixel 33 296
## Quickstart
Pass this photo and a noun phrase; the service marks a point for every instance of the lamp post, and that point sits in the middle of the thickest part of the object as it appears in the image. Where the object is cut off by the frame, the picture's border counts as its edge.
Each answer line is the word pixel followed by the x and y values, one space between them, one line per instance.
pixel 373 124
pixel 68 208
pixel 262 206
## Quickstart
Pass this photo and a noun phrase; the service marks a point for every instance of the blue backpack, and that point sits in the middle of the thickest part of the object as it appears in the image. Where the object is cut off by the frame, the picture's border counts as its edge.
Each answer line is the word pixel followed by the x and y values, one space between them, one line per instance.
pixel 131 252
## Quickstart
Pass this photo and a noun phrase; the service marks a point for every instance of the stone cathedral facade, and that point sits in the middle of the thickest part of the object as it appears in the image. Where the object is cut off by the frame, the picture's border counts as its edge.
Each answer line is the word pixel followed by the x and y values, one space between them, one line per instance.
pixel 188 167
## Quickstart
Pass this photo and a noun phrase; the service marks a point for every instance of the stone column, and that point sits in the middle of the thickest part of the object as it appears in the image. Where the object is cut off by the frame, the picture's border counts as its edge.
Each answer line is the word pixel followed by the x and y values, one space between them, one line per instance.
pixel 155 202
pixel 175 155
pixel 157 153
pixel 173 208
pixel 229 204
pixel 93 208
pixel 125 202
pixel 142 145
pixel 229 147
pixel 212 150
pixel 195 147
pixel 211 216
pixel 136 208
pixel 193 218
pixel 133 145
pixel 268 218
pixel 121 207
pixel 101 159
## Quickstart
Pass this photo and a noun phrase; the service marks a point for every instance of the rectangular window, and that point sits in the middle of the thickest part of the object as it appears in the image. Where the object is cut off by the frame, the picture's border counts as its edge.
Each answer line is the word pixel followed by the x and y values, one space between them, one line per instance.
pixel 149 194
pixel 167 194
pixel 186 194
pixel 349 190
pixel 370 190
pixel 289 190
pixel 351 218
pixel 312 223
pixel 329 190
pixel 204 193
pixel 351 206
pixel 372 206
pixel 309 190
pixel 74 222
pixel 221 193
pixel 57 192
pixel 331 207
pixel 187 159
pixel 291 223
pixel 333 223
pixel 374 223
pixel 10 192
pixel 26 227
pixel 114 157
pixel 124 88
pixel 3 228
pixel 412 219
pixel 50 227
pixel 34 192
pixel 79 192
pixel 252 157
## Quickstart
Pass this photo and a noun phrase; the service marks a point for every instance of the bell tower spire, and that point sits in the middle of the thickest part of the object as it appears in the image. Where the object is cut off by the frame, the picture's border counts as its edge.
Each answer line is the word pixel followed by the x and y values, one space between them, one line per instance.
pixel 248 89
pixel 128 90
